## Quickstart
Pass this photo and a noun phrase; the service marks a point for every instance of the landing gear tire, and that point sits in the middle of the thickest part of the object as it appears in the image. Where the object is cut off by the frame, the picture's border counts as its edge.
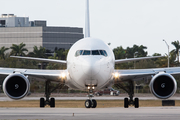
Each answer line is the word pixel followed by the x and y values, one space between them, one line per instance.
pixel 42 102
pixel 94 103
pixel 88 104
pixel 126 103
pixel 136 103
pixel 52 102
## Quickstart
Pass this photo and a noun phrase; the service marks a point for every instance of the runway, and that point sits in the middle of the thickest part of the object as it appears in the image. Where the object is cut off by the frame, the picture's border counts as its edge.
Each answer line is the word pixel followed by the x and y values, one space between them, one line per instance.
pixel 82 98
pixel 117 113
pixel 144 113
pixel 85 98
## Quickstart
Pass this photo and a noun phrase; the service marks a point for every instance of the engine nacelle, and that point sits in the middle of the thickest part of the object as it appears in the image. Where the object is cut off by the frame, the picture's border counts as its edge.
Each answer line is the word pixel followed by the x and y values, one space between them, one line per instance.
pixel 163 85
pixel 16 86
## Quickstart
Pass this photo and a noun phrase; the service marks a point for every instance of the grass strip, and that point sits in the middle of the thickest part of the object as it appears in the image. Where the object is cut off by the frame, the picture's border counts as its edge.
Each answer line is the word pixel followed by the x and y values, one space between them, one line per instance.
pixel 80 103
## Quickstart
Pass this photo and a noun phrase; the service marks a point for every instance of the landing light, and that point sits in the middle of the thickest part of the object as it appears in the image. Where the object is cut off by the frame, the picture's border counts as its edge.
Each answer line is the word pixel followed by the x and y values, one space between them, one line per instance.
pixel 62 75
pixel 116 75
pixel 89 87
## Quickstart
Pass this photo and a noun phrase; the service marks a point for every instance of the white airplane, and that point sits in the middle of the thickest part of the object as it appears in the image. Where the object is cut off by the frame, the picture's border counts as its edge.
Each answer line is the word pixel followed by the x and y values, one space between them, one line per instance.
pixel 90 66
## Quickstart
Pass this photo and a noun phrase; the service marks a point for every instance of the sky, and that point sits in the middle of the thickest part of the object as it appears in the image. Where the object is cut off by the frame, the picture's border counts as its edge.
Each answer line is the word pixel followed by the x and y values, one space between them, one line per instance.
pixel 119 22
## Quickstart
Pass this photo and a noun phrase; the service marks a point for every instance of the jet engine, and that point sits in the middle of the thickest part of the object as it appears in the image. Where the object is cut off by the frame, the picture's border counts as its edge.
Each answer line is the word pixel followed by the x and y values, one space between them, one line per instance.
pixel 16 86
pixel 163 85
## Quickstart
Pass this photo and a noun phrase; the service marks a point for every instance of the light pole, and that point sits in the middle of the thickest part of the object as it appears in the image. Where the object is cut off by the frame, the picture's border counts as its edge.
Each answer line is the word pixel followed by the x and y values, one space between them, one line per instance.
pixel 134 57
pixel 168 51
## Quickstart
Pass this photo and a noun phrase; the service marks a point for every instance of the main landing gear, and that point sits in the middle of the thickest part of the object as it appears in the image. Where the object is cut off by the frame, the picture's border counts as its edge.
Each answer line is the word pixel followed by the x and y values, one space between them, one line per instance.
pixel 50 102
pixel 90 103
pixel 130 90
pixel 48 90
pixel 127 102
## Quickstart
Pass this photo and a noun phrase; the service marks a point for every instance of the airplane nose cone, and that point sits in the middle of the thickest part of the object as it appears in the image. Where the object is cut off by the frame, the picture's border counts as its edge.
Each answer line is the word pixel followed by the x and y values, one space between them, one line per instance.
pixel 91 66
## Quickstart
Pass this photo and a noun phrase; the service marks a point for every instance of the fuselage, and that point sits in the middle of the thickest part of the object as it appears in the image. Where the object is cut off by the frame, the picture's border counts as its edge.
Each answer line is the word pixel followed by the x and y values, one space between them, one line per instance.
pixel 90 62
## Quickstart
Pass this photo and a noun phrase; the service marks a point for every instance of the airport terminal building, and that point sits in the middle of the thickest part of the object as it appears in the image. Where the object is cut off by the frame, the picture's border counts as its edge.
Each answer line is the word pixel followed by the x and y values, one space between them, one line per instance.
pixel 15 30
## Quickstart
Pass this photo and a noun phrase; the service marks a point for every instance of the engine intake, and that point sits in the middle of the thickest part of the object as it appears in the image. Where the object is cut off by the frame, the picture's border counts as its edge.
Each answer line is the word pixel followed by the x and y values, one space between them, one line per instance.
pixel 163 85
pixel 16 86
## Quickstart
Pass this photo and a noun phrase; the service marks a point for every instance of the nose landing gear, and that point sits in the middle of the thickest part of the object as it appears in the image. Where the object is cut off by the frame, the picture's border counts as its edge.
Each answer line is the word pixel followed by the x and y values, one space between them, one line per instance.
pixel 90 103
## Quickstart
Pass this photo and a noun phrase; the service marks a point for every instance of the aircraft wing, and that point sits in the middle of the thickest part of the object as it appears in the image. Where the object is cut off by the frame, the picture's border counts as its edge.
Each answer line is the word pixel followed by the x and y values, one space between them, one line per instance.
pixel 135 59
pixel 41 59
pixel 36 74
pixel 142 74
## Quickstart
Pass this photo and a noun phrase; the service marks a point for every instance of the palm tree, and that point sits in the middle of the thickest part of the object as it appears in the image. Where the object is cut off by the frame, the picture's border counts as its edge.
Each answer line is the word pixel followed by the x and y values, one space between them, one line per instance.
pixel 176 50
pixel 65 55
pixel 18 49
pixel 61 53
pixel 119 52
pixel 2 51
pixel 40 53
pixel 139 49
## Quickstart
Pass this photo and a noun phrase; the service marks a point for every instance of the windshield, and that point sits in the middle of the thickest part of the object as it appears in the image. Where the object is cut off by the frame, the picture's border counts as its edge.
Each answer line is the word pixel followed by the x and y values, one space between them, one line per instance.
pixel 95 52
pixel 86 52
pixel 105 53
pixel 91 52
pixel 78 52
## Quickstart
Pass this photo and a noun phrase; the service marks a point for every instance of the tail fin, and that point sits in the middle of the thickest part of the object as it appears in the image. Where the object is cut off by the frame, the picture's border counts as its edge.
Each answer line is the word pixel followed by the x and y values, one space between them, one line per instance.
pixel 87 26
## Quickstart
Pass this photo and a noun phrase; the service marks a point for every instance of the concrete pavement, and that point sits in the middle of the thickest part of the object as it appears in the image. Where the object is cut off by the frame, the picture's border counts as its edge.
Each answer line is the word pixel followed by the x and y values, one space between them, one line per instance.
pixel 143 113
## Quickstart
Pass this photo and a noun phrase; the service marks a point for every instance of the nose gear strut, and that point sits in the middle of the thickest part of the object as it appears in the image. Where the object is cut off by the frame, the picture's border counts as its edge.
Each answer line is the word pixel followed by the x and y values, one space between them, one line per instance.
pixel 90 103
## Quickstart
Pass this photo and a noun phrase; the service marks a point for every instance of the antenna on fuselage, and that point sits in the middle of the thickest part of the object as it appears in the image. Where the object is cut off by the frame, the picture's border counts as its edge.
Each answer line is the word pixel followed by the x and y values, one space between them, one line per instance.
pixel 87 24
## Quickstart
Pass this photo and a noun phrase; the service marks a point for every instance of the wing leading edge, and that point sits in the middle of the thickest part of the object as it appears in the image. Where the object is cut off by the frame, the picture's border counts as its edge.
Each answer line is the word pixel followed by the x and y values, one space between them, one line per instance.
pixel 135 59
pixel 52 75
pixel 41 59
pixel 139 74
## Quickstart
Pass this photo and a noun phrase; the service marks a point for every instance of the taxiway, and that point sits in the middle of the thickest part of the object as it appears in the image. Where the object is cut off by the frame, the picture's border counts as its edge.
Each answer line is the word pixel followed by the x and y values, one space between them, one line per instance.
pixel 143 113
pixel 84 98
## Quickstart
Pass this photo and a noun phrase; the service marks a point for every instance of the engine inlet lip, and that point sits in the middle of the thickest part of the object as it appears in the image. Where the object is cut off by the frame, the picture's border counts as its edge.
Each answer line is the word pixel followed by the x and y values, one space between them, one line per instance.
pixel 153 91
pixel 17 75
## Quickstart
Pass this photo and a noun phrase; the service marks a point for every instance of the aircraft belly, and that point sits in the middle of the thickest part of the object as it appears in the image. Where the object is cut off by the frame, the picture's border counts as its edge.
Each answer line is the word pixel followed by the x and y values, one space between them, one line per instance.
pixel 82 74
pixel 76 77
pixel 104 78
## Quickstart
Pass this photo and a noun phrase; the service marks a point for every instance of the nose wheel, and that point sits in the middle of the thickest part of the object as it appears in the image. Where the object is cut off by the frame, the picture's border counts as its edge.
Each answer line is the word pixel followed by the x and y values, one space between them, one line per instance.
pixel 94 103
pixel 90 103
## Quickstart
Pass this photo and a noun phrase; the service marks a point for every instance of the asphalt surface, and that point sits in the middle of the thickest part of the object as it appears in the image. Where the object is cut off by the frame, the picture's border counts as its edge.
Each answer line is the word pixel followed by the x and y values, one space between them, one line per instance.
pixel 144 113
pixel 79 98
pixel 85 98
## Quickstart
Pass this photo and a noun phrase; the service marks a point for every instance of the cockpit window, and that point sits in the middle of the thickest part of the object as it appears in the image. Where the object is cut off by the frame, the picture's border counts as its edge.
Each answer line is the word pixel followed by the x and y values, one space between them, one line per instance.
pixel 79 52
pixel 105 53
pixel 102 53
pixel 95 52
pixel 86 52
pixel 91 52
